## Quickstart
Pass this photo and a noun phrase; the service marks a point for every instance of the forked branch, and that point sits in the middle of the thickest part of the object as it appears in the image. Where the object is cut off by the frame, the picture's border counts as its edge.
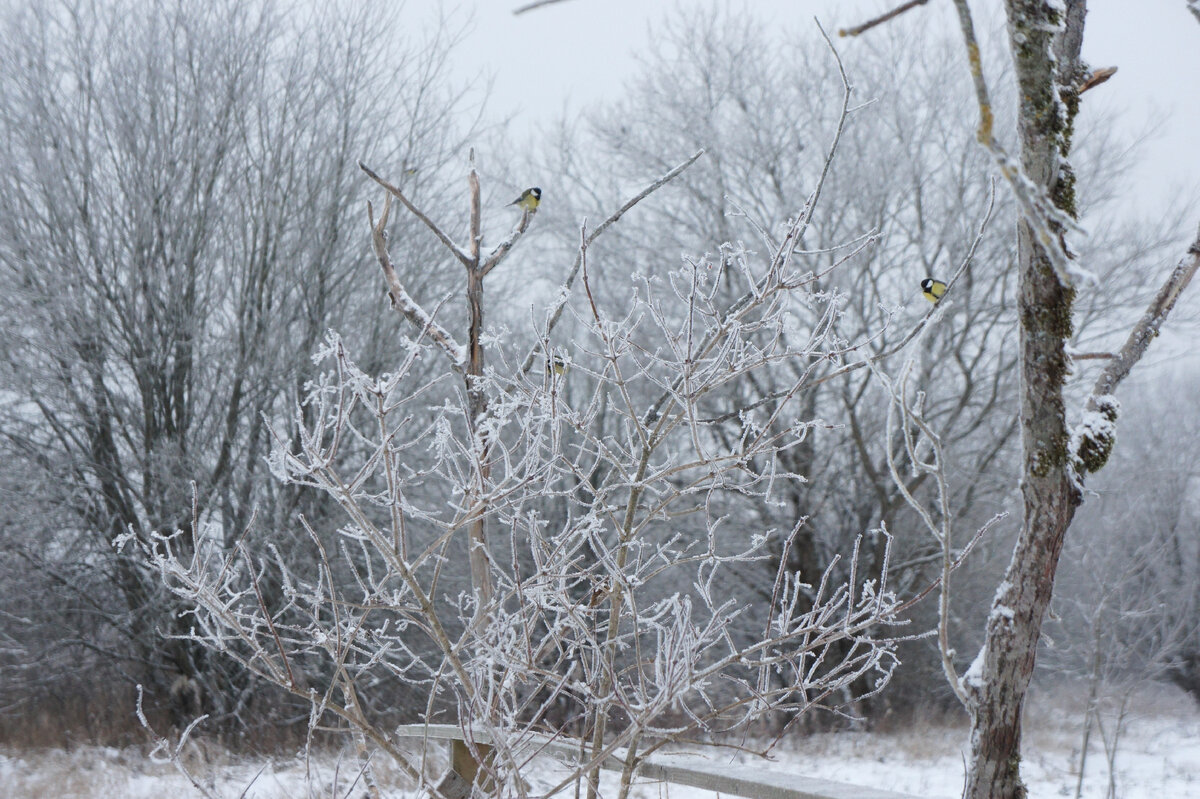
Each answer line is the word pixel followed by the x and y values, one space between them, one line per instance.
pixel 446 241
pixel 401 299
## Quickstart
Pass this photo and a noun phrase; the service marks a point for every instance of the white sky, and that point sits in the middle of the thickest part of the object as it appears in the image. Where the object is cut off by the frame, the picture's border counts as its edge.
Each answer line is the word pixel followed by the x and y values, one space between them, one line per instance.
pixel 579 52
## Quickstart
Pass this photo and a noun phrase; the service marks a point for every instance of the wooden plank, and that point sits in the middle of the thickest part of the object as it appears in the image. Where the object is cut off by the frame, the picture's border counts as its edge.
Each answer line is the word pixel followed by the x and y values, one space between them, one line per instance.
pixel 739 779
pixel 453 786
pixel 734 779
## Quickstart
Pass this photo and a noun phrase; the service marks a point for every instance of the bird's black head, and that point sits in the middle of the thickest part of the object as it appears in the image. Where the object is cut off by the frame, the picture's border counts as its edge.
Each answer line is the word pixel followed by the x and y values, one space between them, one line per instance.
pixel 927 284
pixel 536 192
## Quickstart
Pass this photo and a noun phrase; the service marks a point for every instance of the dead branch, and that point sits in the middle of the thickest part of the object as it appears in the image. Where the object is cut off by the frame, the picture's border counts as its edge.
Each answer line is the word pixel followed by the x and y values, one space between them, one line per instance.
pixel 1096 78
pixel 429 223
pixel 1146 330
pixel 895 12
pixel 401 299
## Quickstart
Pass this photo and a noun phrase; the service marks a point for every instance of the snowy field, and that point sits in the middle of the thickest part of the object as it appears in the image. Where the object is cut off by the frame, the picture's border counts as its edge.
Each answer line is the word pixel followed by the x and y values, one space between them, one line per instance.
pixel 1158 758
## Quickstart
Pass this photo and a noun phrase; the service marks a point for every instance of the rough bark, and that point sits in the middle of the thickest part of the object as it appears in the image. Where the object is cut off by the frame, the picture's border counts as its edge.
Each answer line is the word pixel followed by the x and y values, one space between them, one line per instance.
pixel 1049 490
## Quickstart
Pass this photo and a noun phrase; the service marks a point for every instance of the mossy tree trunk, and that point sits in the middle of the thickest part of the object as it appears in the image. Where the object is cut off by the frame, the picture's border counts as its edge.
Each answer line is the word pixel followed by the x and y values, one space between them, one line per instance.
pixel 1045 49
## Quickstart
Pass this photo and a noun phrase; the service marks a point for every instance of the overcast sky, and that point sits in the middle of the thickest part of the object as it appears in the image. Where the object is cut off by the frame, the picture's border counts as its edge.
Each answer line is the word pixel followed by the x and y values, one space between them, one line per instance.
pixel 578 52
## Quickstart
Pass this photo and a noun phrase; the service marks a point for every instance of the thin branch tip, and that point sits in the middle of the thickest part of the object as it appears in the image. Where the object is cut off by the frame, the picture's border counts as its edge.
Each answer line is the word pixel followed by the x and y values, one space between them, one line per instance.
pixel 871 23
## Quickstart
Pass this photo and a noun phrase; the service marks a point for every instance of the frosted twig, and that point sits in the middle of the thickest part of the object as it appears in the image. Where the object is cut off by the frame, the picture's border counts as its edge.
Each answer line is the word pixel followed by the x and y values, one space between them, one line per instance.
pixel 564 292
pixel 930 314
pixel 173 754
pixel 773 281
pixel 943 529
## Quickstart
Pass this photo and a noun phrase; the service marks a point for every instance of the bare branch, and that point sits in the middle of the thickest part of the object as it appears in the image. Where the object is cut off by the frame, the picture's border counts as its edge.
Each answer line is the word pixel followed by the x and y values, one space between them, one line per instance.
pixel 173 754
pixel 266 615
pixel 1146 330
pixel 975 62
pixel 476 225
pixel 401 300
pixel 929 316
pixel 895 12
pixel 941 530
pixel 536 5
pixel 502 249
pixel 1096 78
pixel 564 292
pixel 446 241
pixel 1093 438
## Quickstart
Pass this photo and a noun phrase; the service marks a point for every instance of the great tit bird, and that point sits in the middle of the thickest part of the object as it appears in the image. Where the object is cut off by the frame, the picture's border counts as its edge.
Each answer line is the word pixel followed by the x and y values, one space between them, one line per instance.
pixel 529 199
pixel 557 365
pixel 933 289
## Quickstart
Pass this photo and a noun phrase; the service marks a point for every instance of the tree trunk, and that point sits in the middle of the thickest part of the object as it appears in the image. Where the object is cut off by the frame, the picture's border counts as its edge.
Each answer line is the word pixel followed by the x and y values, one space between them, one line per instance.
pixel 481 574
pixel 1046 65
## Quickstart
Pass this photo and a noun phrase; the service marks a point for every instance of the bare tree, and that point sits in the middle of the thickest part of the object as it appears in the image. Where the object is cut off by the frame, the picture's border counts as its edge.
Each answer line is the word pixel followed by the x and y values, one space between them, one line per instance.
pixel 1045 40
pixel 609 623
pixel 176 196
pixel 909 174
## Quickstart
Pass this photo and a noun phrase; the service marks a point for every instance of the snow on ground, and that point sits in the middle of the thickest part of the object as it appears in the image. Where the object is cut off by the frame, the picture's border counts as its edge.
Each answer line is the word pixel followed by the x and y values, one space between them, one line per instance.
pixel 1158 758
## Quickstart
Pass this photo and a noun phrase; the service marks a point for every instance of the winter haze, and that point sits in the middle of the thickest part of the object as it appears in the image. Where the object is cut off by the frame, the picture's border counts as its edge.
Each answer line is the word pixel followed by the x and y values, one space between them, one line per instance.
pixel 612 400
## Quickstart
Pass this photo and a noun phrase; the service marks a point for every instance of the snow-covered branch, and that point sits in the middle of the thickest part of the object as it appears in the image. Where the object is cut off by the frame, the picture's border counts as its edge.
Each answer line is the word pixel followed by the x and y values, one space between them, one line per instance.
pixel 1092 440
pixel 601 519
pixel 402 300
pixel 446 241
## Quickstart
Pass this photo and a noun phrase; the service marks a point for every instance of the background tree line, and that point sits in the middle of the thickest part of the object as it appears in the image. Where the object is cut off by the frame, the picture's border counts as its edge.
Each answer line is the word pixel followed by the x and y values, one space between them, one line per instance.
pixel 180 208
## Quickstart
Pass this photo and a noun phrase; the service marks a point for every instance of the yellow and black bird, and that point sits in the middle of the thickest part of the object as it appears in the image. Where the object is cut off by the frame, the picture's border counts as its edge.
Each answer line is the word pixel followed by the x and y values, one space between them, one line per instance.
pixel 933 289
pixel 529 199
pixel 557 365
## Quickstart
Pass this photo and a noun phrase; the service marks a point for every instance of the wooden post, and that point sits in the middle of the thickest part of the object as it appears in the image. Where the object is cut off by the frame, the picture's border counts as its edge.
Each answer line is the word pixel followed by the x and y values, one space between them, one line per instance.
pixel 467 767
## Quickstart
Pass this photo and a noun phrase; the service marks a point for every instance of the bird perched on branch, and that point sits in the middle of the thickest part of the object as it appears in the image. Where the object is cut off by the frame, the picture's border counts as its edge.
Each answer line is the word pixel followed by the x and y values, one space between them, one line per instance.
pixel 557 365
pixel 529 199
pixel 933 289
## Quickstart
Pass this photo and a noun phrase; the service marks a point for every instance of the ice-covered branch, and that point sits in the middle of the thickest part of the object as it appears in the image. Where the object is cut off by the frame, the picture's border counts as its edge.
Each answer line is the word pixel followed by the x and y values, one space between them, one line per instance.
pixel 565 290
